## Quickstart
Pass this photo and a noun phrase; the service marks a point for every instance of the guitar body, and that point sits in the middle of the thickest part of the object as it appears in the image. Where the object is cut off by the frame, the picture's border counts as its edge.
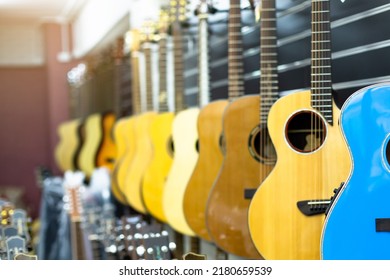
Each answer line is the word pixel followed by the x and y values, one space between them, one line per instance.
pixel 107 150
pixel 279 230
pixel 67 148
pixel 120 143
pixel 185 136
pixel 227 208
pixel 89 151
pixel 207 167
pixel 350 227
pixel 142 157
pixel 157 172
pixel 129 141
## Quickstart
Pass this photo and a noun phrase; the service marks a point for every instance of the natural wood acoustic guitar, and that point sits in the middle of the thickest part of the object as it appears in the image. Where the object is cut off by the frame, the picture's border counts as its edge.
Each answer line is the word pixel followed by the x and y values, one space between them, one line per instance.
pixel 286 215
pixel 250 155
pixel 209 127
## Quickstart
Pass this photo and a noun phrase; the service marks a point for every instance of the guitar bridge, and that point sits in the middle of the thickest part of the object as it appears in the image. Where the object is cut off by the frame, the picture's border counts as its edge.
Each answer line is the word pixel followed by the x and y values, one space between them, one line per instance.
pixel 313 207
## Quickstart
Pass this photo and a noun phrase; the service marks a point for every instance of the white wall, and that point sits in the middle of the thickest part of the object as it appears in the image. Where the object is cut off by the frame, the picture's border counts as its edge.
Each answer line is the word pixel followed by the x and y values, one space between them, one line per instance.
pixel 21 45
pixel 98 17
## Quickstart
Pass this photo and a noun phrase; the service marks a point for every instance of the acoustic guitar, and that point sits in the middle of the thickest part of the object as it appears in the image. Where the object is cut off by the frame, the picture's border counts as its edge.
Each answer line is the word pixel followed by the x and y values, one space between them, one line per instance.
pixel 121 147
pixel 70 142
pixel 143 147
pixel 160 132
pixel 348 223
pixel 209 126
pixel 286 213
pixel 98 149
pixel 184 135
pixel 73 182
pixel 125 129
pixel 249 152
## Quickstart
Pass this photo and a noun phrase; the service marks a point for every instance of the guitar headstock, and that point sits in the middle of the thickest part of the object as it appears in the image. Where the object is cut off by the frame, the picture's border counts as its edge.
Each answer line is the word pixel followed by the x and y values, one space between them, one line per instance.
pixel 73 181
pixel 147 32
pixel 178 11
pixel 163 23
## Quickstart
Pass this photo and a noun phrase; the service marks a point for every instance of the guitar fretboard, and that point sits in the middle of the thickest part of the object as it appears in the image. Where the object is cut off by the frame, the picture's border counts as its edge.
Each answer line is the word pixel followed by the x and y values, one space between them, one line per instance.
pixel 235 55
pixel 321 74
pixel 204 78
pixel 163 91
pixel 268 59
pixel 136 91
pixel 148 74
pixel 178 66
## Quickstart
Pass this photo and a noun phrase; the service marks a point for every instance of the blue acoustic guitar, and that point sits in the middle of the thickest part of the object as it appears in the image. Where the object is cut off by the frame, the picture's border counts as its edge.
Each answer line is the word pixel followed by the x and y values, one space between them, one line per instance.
pixel 357 225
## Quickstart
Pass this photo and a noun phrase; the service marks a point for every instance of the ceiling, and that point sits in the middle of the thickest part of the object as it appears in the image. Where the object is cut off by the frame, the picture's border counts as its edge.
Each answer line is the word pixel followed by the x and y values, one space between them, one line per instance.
pixel 38 10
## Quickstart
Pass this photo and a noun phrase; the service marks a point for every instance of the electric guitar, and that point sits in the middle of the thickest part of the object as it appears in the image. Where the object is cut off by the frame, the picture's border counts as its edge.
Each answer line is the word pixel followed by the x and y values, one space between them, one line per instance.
pixel 160 132
pixel 143 146
pixel 347 224
pixel 184 135
pixel 286 213
pixel 249 152
pixel 209 127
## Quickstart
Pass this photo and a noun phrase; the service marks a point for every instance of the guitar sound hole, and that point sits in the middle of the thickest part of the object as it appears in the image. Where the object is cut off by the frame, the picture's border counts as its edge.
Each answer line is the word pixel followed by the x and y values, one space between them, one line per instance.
pixel 222 144
pixel 305 131
pixel 171 146
pixel 388 152
pixel 260 145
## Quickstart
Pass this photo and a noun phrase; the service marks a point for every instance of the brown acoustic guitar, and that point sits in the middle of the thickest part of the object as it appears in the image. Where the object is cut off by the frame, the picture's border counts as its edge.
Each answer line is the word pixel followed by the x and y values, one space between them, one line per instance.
pixel 250 155
pixel 209 125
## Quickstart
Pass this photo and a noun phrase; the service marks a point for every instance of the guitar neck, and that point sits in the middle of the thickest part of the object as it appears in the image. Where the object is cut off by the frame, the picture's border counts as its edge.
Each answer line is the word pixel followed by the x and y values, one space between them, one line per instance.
pixel 268 59
pixel 178 66
pixel 148 74
pixel 163 88
pixel 136 90
pixel 321 74
pixel 235 55
pixel 78 241
pixel 204 82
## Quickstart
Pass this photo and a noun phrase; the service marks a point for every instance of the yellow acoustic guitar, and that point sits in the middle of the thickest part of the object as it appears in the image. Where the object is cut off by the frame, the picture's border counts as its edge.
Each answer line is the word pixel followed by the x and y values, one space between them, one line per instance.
pixel 107 150
pixel 121 147
pixel 70 142
pixel 98 149
pixel 92 139
pixel 184 135
pixel 124 131
pixel 143 146
pixel 160 131
pixel 287 212
pixel 209 127
pixel 249 152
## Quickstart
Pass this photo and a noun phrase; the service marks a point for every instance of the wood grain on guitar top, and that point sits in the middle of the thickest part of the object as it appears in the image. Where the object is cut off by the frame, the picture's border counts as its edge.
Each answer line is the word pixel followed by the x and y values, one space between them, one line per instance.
pixel 227 209
pixel 185 136
pixel 207 167
pixel 158 169
pixel 107 150
pixel 279 230
pixel 121 147
pixel 142 157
